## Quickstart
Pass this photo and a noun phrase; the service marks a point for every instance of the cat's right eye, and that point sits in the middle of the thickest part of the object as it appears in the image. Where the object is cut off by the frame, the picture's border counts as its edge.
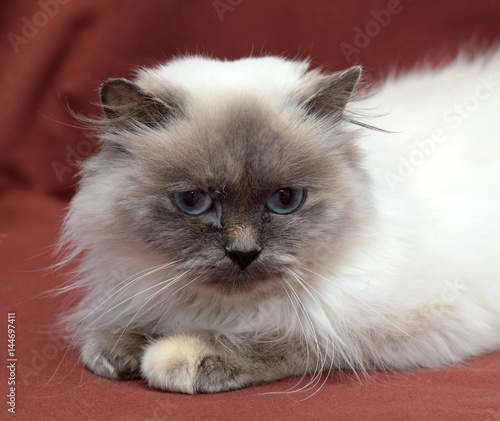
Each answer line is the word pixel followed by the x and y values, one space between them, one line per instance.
pixel 285 201
pixel 192 202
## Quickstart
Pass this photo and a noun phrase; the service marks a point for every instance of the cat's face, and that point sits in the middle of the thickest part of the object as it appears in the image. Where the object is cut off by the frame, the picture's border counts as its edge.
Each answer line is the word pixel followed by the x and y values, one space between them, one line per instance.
pixel 237 195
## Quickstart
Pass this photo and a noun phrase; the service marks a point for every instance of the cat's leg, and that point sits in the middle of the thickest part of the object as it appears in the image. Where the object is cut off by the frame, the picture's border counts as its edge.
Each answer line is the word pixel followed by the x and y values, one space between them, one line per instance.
pixel 114 354
pixel 203 363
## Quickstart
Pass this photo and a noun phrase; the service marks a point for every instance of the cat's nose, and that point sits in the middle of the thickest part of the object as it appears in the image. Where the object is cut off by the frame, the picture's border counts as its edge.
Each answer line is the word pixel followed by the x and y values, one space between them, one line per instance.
pixel 242 244
pixel 243 258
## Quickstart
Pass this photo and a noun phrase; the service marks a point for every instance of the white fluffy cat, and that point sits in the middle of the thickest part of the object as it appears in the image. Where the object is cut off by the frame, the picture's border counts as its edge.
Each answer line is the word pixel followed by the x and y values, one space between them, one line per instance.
pixel 242 223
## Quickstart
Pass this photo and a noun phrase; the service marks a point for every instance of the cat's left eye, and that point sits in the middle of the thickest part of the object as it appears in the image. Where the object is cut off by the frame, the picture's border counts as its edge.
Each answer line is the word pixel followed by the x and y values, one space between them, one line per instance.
pixel 285 201
pixel 192 202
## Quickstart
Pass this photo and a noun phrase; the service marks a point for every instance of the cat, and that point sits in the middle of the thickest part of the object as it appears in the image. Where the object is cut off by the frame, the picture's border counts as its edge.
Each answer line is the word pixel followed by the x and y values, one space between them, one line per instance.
pixel 246 221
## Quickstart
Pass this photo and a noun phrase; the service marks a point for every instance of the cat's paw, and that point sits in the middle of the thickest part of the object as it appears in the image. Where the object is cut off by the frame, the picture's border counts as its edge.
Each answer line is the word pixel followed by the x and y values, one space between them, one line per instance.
pixel 187 364
pixel 113 355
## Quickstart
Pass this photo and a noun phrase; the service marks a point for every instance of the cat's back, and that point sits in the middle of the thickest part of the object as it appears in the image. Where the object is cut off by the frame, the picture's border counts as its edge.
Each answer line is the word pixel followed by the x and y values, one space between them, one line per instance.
pixel 458 102
pixel 444 128
pixel 442 158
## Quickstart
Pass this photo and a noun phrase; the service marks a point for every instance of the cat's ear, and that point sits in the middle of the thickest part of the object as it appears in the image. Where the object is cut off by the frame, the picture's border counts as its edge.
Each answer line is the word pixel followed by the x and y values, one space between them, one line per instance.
pixel 127 106
pixel 331 94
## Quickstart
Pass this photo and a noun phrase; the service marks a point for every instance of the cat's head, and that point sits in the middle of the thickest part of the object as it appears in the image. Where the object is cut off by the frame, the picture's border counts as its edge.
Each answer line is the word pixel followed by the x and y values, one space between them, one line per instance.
pixel 238 173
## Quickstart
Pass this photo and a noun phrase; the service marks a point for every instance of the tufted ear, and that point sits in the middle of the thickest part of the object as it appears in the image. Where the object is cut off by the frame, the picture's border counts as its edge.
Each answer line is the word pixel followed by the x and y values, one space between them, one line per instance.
pixel 126 105
pixel 332 93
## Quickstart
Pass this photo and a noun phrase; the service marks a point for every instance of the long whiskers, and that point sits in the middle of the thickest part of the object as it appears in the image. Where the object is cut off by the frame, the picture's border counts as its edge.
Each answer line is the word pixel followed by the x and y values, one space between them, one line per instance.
pixel 300 313
pixel 322 356
pixel 307 287
pixel 171 282
pixel 364 303
pixel 319 355
pixel 322 360
pixel 144 273
pixel 135 279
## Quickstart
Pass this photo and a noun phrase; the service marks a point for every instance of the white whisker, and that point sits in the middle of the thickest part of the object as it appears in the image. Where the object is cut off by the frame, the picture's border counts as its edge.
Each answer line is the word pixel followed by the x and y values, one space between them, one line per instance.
pixel 150 298
pixel 330 342
pixel 285 288
pixel 320 357
pixel 145 272
pixel 364 303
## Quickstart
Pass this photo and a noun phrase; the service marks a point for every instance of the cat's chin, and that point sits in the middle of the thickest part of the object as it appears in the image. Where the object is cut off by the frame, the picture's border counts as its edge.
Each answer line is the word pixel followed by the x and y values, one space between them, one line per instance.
pixel 241 285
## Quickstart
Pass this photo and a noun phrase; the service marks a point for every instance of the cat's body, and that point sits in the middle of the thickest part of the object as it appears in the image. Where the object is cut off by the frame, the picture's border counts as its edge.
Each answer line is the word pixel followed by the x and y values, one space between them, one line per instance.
pixel 323 244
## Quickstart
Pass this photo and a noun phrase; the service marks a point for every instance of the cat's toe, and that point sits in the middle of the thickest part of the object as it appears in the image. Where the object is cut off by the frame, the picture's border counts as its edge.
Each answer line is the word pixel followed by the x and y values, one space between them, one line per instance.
pixel 101 366
pixel 216 374
pixel 113 355
pixel 112 366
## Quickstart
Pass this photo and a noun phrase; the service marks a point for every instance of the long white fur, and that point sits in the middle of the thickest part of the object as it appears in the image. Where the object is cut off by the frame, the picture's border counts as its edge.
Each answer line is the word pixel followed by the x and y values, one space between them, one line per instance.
pixel 421 287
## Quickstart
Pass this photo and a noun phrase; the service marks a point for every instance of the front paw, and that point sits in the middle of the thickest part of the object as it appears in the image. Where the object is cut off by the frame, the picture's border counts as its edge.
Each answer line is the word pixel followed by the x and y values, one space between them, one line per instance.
pixel 188 364
pixel 112 354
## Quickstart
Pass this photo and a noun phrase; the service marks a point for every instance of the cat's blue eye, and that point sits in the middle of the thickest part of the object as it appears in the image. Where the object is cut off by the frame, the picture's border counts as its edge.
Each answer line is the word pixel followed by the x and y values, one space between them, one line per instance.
pixel 285 201
pixel 192 202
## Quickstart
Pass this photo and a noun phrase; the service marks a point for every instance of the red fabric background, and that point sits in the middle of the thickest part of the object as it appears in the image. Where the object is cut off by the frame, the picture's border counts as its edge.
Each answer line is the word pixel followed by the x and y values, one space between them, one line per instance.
pixel 53 54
